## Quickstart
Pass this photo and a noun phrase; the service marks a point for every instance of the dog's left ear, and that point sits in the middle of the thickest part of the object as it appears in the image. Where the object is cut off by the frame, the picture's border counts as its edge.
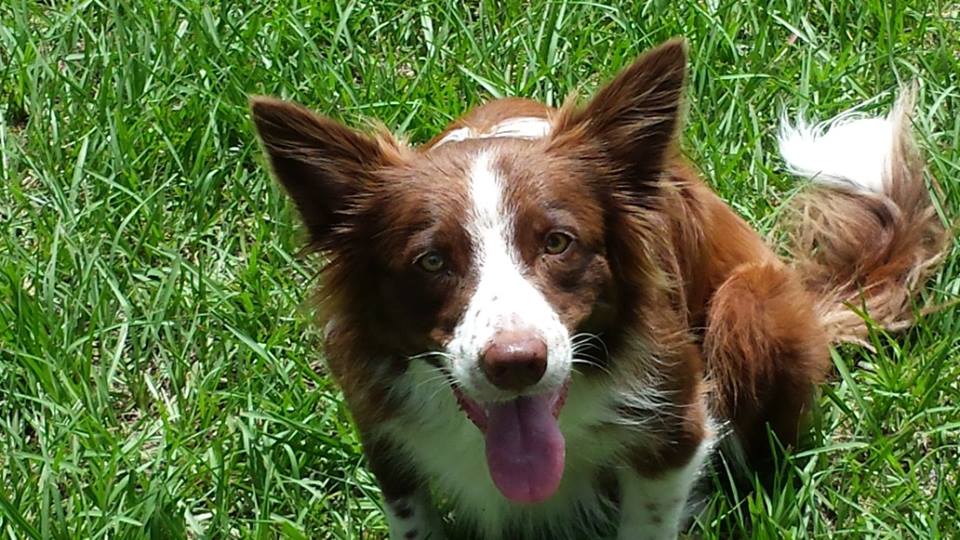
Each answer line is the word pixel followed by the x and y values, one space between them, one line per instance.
pixel 634 119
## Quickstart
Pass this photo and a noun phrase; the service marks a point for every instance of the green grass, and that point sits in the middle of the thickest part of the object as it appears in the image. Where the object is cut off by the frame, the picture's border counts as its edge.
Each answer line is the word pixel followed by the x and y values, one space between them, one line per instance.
pixel 158 373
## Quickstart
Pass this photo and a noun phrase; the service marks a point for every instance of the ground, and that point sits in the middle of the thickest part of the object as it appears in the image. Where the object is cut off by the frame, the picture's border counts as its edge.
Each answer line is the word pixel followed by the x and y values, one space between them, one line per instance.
pixel 158 372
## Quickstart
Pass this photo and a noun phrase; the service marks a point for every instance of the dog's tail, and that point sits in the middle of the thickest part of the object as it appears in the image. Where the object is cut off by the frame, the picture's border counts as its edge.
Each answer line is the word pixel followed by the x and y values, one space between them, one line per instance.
pixel 865 237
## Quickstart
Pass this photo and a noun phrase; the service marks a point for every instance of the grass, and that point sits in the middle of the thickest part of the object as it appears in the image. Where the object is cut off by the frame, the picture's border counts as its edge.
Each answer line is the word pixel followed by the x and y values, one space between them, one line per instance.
pixel 158 373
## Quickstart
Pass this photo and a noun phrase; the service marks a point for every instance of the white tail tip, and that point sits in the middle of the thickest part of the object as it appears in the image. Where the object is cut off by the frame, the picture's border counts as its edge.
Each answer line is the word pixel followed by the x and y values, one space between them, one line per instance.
pixel 849 150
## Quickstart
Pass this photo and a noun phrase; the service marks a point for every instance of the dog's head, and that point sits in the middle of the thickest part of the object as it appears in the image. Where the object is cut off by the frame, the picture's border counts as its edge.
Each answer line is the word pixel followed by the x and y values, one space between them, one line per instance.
pixel 493 253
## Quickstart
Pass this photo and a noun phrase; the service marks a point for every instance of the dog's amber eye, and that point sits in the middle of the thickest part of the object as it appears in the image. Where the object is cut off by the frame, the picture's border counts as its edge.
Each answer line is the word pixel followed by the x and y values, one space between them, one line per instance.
pixel 431 262
pixel 557 243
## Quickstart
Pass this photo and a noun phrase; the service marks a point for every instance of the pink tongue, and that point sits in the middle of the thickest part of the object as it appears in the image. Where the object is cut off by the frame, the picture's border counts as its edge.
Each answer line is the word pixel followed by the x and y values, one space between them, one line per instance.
pixel 525 449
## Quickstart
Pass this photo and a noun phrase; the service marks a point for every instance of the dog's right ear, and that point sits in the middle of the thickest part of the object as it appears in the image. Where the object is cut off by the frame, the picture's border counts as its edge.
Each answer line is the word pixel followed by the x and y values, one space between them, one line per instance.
pixel 321 163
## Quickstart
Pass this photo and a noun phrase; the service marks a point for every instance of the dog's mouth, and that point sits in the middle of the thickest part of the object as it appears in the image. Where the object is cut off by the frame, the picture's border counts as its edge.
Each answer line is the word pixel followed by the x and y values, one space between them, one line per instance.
pixel 524 446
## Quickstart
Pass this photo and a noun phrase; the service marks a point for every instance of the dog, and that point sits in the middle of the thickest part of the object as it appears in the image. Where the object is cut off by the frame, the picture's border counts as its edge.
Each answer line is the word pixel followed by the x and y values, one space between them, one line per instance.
pixel 543 320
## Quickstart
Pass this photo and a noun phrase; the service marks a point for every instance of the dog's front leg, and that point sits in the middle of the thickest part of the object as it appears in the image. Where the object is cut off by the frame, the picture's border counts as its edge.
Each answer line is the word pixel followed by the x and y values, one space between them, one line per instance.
pixel 410 512
pixel 413 517
pixel 652 506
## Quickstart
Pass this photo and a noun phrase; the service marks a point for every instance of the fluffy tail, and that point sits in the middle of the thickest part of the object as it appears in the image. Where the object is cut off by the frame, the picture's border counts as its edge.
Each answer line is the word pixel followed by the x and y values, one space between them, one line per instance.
pixel 865 237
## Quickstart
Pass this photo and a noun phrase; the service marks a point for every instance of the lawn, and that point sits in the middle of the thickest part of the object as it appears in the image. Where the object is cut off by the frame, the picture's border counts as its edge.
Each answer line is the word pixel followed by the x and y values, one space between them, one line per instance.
pixel 159 375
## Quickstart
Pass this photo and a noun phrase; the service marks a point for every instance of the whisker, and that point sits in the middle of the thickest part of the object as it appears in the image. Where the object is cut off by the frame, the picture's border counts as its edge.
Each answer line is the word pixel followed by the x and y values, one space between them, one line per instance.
pixel 429 382
pixel 592 362
pixel 435 374
pixel 428 354
pixel 581 354
pixel 435 393
pixel 587 341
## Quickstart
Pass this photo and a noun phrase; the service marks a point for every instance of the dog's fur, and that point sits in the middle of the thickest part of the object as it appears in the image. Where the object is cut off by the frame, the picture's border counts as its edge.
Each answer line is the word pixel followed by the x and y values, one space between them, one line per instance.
pixel 665 319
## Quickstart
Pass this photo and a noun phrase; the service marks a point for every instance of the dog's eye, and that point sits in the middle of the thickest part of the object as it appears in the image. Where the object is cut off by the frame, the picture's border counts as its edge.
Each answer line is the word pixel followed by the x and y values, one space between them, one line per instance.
pixel 557 243
pixel 431 261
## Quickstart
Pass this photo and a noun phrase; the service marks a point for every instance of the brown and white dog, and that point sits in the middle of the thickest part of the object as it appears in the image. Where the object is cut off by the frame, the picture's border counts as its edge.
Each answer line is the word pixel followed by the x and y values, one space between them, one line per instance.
pixel 545 319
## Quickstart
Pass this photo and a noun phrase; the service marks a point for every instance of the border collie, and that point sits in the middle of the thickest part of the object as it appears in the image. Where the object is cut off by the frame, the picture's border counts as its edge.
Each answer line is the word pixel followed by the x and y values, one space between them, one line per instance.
pixel 545 321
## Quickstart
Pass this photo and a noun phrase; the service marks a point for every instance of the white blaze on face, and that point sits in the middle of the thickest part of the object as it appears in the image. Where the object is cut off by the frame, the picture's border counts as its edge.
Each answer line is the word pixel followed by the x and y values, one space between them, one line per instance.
pixel 505 299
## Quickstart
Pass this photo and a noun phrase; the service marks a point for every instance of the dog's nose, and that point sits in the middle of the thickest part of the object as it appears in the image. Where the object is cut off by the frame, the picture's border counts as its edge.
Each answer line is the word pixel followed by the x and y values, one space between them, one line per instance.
pixel 514 360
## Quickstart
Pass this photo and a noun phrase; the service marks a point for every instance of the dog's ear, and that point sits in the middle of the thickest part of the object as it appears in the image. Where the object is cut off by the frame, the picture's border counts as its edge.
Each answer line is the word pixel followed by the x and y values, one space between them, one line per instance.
pixel 634 118
pixel 321 163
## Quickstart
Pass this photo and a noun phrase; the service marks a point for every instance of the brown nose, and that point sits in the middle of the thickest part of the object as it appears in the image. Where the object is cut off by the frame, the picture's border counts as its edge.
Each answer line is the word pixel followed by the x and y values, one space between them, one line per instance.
pixel 514 360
